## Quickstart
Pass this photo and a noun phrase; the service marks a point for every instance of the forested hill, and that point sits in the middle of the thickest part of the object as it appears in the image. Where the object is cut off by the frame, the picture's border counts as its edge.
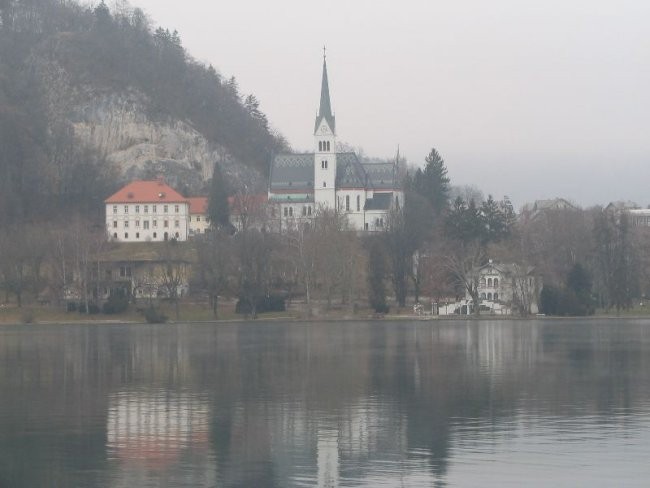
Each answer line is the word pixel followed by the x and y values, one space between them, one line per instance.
pixel 90 97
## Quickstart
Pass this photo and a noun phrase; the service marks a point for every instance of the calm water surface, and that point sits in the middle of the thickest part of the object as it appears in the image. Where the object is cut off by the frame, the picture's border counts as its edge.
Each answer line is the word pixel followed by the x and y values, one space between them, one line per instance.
pixel 552 403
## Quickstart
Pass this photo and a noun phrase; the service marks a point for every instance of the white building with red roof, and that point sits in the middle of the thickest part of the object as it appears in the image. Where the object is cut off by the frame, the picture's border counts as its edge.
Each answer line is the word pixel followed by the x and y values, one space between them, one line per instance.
pixel 147 211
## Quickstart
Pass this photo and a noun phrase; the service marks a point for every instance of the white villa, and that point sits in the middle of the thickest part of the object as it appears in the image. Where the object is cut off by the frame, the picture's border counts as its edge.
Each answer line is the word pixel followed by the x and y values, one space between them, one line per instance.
pixel 147 211
pixel 301 184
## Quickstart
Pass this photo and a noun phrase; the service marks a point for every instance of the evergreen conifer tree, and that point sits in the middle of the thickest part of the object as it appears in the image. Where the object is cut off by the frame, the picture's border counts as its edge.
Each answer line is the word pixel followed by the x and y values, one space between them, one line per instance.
pixel 218 210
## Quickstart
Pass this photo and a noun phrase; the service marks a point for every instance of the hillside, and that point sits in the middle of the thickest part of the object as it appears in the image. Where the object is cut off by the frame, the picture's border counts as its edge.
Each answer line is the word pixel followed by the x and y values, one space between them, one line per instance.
pixel 90 97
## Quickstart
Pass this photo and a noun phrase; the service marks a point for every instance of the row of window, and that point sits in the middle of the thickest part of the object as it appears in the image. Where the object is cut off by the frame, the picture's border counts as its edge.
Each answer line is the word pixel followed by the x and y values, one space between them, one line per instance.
pixel 489 296
pixel 306 211
pixel 347 203
pixel 145 208
pixel 490 282
pixel 323 145
pixel 155 236
pixel 145 224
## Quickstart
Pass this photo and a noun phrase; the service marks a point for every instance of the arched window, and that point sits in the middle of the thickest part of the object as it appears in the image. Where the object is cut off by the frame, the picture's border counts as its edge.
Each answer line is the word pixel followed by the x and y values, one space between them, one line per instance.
pixel 489 281
pixel 320 145
pixel 290 211
pixel 482 281
pixel 166 236
pixel 115 235
pixel 309 210
pixel 327 144
pixel 358 203
pixel 347 203
pixel 489 296
pixel 496 297
pixel 324 184
pixel 483 296
pixel 496 282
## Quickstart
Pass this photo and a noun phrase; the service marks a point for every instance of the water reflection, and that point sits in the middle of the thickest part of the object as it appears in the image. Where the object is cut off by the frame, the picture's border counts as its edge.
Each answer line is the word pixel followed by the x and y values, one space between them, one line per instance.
pixel 353 404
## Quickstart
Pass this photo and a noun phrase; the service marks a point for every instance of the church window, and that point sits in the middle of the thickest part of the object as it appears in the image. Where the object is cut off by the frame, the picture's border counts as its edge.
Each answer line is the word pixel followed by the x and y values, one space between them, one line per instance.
pixel 496 297
pixel 320 145
pixel 309 210
pixel 489 281
pixel 483 296
pixel 324 184
pixel 290 211
pixel 496 282
pixel 286 211
pixel 482 281
pixel 327 144
pixel 323 164
pixel 304 210
pixel 358 203
pixel 347 203
pixel 489 296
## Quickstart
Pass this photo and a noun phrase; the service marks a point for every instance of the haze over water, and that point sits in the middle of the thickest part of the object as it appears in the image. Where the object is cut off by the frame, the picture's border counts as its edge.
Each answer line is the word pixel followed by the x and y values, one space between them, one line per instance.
pixel 530 403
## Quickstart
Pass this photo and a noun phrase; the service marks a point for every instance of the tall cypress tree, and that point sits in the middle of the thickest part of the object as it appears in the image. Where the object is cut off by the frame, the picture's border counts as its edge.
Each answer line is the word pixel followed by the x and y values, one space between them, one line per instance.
pixel 218 210
pixel 432 182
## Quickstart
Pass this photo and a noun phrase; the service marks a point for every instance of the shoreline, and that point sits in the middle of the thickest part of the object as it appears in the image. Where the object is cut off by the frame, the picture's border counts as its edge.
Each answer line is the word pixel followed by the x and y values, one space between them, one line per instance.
pixel 392 318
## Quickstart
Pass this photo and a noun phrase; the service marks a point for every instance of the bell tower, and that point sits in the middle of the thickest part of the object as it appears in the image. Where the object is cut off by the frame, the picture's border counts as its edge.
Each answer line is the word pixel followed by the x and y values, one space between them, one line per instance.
pixel 325 148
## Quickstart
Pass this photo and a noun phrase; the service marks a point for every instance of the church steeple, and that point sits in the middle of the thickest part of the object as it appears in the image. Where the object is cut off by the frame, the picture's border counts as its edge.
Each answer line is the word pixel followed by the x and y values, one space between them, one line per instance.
pixel 325 109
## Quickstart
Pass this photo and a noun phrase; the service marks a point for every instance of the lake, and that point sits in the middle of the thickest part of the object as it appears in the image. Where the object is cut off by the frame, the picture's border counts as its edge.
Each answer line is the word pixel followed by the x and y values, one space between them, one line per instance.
pixel 560 403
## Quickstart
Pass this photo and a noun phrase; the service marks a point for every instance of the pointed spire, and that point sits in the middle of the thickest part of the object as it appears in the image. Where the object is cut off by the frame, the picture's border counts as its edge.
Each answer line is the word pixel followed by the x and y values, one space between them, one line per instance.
pixel 325 109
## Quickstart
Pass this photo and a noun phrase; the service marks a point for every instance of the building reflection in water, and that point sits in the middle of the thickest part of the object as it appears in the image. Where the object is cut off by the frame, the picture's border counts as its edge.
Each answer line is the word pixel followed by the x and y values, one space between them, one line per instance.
pixel 152 433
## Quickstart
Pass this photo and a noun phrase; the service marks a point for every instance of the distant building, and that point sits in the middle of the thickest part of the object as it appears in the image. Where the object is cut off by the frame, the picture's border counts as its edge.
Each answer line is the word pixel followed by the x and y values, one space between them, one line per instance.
pixel 199 222
pixel 302 184
pixel 147 211
pixel 504 288
pixel 531 211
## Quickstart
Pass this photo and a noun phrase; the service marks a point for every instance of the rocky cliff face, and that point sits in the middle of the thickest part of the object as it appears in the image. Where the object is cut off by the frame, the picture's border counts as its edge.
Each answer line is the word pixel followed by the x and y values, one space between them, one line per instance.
pixel 124 127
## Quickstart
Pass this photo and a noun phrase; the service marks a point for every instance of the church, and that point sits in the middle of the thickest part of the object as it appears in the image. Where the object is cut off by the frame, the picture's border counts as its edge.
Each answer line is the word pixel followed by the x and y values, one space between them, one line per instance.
pixel 301 185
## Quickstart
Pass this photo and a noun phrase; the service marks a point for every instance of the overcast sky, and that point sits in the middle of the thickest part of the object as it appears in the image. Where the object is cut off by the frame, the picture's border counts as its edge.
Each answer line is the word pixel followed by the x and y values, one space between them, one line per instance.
pixel 531 99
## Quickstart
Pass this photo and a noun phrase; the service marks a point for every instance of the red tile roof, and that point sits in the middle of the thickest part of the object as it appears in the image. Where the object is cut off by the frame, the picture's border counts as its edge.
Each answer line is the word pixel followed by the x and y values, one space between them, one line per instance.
pixel 198 205
pixel 147 192
pixel 243 204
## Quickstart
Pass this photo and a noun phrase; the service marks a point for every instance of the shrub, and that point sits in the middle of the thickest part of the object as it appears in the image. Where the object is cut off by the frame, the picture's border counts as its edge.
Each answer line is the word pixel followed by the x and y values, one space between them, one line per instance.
pixel 153 316
pixel 115 304
pixel 271 303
